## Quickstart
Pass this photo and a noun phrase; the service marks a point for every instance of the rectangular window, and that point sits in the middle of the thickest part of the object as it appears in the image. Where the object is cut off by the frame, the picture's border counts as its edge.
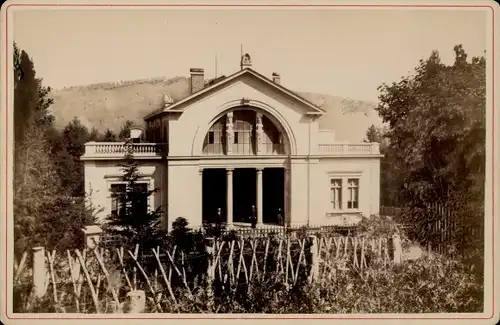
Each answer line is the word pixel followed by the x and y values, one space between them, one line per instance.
pixel 117 196
pixel 336 193
pixel 235 137
pixel 353 193
pixel 211 137
pixel 138 195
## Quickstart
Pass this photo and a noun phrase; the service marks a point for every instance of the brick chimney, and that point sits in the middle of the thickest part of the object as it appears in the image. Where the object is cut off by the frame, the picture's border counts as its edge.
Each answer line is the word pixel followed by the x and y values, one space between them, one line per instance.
pixel 276 78
pixel 197 79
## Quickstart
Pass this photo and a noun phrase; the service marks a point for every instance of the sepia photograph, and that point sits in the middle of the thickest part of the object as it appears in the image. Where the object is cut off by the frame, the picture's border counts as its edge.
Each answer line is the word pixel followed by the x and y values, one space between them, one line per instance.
pixel 270 160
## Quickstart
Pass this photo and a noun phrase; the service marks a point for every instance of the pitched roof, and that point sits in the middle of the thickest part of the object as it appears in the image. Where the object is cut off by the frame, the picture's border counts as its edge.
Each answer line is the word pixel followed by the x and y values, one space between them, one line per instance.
pixel 214 83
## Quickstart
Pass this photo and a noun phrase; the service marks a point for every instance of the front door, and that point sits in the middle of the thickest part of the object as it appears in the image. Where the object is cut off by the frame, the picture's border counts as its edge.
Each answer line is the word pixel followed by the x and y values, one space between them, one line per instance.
pixel 214 194
pixel 244 193
pixel 273 196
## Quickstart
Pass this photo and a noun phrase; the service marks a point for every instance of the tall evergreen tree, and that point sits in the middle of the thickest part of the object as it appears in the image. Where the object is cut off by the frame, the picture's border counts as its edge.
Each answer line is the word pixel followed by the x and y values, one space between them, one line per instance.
pixel 44 213
pixel 26 94
pixel 134 221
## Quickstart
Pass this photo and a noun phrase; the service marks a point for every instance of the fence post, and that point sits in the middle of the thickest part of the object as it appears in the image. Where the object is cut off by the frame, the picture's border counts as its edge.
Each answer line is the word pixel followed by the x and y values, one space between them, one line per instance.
pixel 137 301
pixel 314 259
pixel 92 236
pixel 398 251
pixel 39 271
pixel 210 249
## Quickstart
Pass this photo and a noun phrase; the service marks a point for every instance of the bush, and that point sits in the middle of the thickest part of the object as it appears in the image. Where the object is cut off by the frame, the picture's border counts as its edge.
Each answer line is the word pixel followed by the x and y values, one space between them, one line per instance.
pixel 430 284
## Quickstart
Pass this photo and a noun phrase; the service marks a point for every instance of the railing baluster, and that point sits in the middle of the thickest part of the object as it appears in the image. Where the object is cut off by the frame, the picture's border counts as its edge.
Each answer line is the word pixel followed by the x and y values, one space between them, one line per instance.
pixel 344 149
pixel 118 149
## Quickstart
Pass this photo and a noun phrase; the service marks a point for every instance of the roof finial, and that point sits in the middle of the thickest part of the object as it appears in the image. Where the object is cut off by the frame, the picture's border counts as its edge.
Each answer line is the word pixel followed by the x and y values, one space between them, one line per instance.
pixel 246 61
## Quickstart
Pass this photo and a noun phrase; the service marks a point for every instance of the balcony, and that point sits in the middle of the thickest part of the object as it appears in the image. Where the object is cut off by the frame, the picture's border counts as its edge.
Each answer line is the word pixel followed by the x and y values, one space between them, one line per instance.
pixel 344 149
pixel 116 150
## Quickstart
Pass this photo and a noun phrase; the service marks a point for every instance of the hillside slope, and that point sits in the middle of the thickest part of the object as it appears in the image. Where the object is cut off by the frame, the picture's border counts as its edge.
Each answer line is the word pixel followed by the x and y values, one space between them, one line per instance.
pixel 108 105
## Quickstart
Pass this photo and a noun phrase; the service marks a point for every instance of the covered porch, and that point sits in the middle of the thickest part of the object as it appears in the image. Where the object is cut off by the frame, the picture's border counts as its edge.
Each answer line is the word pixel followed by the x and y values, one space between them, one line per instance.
pixel 242 197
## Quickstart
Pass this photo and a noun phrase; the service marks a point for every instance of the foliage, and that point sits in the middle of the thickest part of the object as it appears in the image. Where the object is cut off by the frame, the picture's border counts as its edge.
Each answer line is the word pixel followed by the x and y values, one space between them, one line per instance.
pixel 432 284
pixel 377 226
pixel 389 192
pixel 68 149
pixel 109 136
pixel 436 135
pixel 422 286
pixel 45 213
pixel 125 130
pixel 135 222
pixel 35 185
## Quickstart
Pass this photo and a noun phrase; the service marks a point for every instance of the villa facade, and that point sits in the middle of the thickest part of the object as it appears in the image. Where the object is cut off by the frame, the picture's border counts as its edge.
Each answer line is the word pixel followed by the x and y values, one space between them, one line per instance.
pixel 238 146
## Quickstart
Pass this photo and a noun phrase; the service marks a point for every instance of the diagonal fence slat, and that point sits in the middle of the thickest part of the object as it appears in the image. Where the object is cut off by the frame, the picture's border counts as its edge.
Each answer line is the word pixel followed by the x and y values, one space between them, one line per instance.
pixel 102 278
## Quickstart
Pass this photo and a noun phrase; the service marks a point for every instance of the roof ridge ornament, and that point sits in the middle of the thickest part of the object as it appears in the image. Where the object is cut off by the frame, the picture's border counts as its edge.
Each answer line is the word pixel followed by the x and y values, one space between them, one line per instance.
pixel 246 61
pixel 167 100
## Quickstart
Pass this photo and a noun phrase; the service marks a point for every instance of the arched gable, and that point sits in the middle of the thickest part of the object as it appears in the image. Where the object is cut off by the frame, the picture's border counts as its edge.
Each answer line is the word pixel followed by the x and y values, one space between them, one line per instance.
pixel 270 112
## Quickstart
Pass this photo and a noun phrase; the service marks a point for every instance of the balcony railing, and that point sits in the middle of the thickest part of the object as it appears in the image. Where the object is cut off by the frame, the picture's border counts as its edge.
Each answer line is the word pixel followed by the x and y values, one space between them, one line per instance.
pixel 343 149
pixel 118 150
pixel 103 150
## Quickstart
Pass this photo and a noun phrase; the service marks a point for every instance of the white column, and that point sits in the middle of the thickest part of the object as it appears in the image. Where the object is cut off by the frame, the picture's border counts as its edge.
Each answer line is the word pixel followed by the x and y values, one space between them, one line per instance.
pixel 229 203
pixel 259 196
pixel 287 188
pixel 258 132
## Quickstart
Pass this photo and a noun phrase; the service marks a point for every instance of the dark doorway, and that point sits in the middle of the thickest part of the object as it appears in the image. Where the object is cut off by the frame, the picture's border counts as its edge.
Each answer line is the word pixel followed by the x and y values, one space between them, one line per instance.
pixel 244 193
pixel 214 194
pixel 273 195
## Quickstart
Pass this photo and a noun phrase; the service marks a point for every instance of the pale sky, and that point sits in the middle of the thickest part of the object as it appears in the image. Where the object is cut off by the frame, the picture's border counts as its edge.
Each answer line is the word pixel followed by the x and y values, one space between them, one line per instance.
pixel 340 52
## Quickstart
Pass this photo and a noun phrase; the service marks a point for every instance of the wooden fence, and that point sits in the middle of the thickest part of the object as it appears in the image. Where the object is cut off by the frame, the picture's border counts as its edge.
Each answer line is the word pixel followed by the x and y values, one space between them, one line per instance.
pixel 102 280
pixel 446 228
pixel 109 240
pixel 294 230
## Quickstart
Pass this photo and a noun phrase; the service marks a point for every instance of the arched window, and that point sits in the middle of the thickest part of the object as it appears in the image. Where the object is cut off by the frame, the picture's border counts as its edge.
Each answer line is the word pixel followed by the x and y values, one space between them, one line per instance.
pixel 272 140
pixel 243 124
pixel 244 135
pixel 215 139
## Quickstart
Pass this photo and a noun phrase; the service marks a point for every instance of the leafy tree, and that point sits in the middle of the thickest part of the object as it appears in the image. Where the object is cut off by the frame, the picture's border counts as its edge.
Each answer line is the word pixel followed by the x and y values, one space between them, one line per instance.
pixel 109 136
pixel 125 130
pixel 70 148
pixel 37 185
pixel 374 134
pixel 389 192
pixel 44 213
pixel 94 135
pixel 436 135
pixel 134 222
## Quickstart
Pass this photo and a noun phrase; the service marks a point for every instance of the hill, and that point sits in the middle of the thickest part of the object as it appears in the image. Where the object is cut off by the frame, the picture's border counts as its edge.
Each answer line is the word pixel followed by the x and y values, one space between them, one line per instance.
pixel 109 105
